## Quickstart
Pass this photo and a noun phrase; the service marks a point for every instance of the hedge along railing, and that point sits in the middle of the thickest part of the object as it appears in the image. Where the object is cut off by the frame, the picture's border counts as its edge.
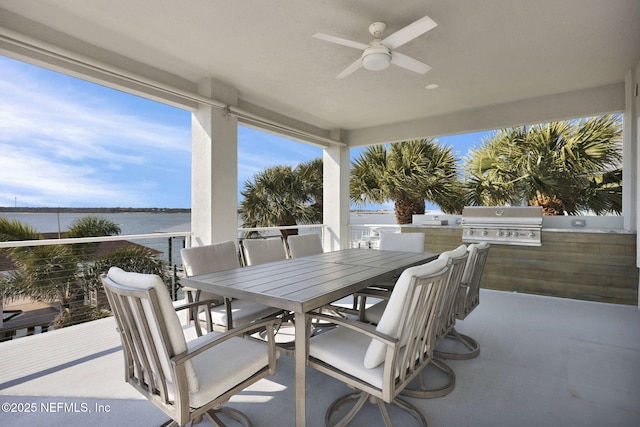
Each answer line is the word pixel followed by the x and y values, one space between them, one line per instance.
pixel 71 276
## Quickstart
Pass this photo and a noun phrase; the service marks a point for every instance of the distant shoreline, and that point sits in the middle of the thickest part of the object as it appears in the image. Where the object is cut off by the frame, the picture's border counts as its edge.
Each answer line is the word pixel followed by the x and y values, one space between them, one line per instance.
pixel 137 210
pixel 92 210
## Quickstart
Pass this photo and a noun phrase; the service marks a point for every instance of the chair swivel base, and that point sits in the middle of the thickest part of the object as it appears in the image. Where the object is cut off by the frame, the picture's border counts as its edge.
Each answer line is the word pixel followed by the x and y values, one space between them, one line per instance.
pixel 212 414
pixel 466 348
pixel 361 399
pixel 428 391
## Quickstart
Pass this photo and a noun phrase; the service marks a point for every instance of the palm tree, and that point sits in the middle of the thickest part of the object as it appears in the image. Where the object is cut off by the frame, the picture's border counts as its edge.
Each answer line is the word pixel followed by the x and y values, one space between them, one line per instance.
pixel 45 273
pixel 91 226
pixel 51 273
pixel 566 166
pixel 407 173
pixel 283 196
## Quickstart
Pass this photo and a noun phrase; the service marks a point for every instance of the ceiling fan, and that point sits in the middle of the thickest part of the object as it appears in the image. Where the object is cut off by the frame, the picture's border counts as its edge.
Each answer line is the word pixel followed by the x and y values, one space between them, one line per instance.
pixel 378 54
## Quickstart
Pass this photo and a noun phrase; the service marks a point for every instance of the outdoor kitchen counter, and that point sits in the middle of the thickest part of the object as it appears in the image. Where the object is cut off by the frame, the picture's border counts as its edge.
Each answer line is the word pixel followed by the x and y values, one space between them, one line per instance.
pixel 593 264
pixel 549 229
pixel 586 230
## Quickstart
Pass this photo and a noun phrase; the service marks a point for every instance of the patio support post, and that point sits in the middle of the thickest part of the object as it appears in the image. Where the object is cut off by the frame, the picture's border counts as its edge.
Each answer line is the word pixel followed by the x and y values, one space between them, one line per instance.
pixel 335 215
pixel 631 155
pixel 631 159
pixel 214 195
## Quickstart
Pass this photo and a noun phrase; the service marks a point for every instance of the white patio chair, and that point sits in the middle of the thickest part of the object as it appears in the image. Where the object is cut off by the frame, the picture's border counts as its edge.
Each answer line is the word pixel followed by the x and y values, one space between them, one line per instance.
pixel 301 245
pixel 380 361
pixel 304 245
pixel 440 380
pixel 260 251
pixel 468 299
pixel 406 242
pixel 186 380
pixel 227 313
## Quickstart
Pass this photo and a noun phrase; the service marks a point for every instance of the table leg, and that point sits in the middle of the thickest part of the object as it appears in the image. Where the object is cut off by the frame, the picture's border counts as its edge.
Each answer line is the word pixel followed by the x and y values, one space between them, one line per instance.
pixel 301 367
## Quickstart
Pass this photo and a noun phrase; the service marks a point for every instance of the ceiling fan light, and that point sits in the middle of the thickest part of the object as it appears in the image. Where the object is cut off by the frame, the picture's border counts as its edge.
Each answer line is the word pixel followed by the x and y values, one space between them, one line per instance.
pixel 376 61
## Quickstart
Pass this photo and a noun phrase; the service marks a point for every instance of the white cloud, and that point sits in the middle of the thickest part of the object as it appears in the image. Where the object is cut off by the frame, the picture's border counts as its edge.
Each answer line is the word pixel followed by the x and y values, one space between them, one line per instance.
pixel 69 143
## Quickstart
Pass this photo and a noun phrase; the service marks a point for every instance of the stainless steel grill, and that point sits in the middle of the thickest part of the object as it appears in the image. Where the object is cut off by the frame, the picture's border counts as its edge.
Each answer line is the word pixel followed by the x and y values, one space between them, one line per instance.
pixel 513 225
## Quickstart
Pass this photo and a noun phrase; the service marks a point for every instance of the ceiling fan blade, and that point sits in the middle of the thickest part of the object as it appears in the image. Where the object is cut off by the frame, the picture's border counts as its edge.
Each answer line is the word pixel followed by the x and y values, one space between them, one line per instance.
pixel 404 61
pixel 409 32
pixel 350 69
pixel 341 41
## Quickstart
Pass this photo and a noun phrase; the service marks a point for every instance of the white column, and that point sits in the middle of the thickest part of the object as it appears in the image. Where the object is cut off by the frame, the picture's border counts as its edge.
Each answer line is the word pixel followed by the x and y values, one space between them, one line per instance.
pixel 214 168
pixel 336 165
pixel 630 154
pixel 631 159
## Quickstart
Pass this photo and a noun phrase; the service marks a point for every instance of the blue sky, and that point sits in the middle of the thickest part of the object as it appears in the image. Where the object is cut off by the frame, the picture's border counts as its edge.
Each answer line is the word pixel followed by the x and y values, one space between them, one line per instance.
pixel 68 142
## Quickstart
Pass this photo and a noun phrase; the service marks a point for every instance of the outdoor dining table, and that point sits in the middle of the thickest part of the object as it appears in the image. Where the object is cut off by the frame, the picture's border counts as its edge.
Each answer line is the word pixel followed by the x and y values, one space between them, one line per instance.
pixel 301 285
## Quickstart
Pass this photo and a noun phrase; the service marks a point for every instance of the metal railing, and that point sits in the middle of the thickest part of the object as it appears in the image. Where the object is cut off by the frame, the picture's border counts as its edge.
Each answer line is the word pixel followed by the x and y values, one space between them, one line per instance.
pixel 368 235
pixel 71 274
pixel 277 231
pixel 65 273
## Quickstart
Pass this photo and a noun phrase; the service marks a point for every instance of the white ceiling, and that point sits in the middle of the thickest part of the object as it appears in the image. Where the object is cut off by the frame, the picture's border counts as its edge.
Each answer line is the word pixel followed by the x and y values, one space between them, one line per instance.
pixel 482 53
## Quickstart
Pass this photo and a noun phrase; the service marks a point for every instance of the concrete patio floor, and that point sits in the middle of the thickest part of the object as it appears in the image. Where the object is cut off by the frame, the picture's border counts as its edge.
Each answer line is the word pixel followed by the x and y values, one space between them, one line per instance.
pixel 543 362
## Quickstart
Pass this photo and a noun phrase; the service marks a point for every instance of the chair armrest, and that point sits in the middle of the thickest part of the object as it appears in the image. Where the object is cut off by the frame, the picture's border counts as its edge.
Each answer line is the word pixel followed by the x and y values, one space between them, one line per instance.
pixel 180 359
pixel 193 312
pixel 375 293
pixel 207 302
pixel 360 299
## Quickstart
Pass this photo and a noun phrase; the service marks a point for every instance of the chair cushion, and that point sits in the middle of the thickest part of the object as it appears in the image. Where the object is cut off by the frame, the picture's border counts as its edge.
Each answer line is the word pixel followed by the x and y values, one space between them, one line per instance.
pixel 304 245
pixel 390 321
pixel 345 350
pixel 260 251
pixel 455 253
pixel 374 313
pixel 407 242
pixel 174 329
pixel 210 258
pixel 225 365
pixel 471 260
pixel 242 313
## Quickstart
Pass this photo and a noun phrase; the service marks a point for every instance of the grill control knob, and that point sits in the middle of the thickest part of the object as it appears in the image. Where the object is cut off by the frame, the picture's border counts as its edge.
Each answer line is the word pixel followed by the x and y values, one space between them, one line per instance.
pixel 484 232
pixel 507 233
pixel 469 232
pixel 515 234
pixel 532 234
pixel 499 234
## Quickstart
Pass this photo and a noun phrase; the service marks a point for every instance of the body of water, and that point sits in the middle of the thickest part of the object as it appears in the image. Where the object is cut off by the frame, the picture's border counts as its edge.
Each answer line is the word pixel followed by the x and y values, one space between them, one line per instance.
pixel 130 223
pixel 142 223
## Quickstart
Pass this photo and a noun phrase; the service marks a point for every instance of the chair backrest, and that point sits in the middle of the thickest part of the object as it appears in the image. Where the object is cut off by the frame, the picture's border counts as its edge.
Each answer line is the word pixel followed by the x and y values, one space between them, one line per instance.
pixel 469 294
pixel 407 242
pixel 260 251
pixel 208 259
pixel 304 245
pixel 447 313
pixel 409 307
pixel 150 332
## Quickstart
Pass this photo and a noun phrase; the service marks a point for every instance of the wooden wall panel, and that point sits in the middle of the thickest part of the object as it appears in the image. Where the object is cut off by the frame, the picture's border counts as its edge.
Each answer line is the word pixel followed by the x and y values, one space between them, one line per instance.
pixel 578 265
